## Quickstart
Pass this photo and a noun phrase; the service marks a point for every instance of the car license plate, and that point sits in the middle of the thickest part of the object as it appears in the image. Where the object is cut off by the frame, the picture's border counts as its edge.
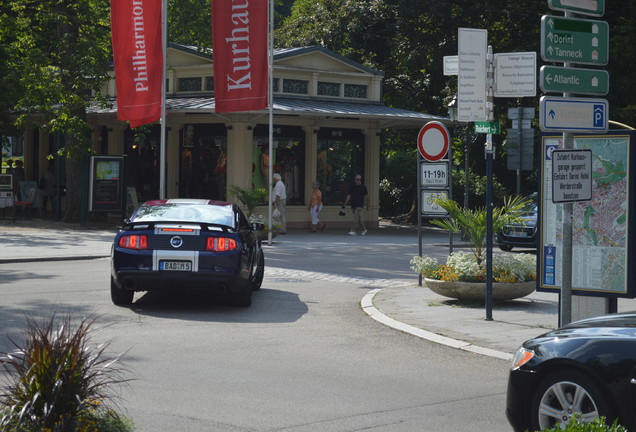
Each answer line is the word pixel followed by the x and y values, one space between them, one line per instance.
pixel 175 265
pixel 517 234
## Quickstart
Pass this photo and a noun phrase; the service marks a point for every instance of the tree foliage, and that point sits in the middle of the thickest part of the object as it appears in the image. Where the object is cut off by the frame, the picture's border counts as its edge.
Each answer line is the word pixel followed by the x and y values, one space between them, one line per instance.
pixel 58 55
pixel 408 39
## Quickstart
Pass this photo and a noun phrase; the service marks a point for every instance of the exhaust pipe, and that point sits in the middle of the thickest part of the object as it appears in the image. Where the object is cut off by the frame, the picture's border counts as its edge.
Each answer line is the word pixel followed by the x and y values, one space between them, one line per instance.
pixel 130 285
pixel 222 288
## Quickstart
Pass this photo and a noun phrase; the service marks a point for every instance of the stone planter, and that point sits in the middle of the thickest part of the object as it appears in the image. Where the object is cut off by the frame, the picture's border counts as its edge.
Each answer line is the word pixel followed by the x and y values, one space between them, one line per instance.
pixel 476 291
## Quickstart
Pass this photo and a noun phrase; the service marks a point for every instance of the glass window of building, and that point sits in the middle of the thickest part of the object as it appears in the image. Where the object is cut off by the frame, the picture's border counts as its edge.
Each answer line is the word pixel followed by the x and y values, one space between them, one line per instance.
pixel 340 156
pixel 288 160
pixel 295 86
pixel 355 91
pixel 189 84
pixel 203 161
pixel 328 88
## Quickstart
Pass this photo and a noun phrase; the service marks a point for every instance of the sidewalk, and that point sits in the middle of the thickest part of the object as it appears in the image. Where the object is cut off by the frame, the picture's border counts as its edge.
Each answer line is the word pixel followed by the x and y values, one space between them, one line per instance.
pixel 404 306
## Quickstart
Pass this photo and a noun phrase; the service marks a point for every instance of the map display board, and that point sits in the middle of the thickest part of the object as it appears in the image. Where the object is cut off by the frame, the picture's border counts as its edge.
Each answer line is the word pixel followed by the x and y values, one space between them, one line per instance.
pixel 601 235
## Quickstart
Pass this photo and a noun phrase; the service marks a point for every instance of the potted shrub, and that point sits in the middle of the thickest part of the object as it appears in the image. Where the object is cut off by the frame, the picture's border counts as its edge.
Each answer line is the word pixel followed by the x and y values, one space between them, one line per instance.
pixel 514 274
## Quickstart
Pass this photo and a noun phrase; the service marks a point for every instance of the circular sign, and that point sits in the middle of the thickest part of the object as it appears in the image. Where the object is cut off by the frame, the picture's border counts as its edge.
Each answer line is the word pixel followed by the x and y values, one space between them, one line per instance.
pixel 433 141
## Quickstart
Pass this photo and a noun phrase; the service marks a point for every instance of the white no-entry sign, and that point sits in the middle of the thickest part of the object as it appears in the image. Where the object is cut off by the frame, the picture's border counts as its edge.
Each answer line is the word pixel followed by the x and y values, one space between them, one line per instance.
pixel 433 141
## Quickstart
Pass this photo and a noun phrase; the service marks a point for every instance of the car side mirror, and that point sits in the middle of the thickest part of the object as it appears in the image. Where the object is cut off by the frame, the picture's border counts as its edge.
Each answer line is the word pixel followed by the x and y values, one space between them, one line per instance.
pixel 257 226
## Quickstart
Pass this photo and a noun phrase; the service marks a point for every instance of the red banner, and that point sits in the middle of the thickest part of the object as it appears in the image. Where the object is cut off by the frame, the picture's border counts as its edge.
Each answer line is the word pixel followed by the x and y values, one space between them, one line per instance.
pixel 239 42
pixel 138 54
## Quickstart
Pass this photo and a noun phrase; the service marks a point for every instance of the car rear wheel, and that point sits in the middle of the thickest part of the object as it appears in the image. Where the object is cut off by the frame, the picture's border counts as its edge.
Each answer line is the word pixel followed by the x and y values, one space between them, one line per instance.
pixel 257 280
pixel 120 297
pixel 505 248
pixel 562 395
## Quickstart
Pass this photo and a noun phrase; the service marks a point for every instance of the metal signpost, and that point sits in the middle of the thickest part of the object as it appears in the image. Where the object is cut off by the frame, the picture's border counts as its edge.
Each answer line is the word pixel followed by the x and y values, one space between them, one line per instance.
pixel 434 177
pixel 580 41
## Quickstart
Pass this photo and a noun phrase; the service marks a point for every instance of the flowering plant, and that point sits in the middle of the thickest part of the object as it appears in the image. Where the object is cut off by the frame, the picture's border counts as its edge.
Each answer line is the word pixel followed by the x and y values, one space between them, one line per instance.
pixel 463 267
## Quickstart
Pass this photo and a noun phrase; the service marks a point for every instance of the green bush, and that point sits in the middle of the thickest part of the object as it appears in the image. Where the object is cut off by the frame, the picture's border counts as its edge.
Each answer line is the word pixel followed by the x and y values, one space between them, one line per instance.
pixel 56 381
pixel 598 425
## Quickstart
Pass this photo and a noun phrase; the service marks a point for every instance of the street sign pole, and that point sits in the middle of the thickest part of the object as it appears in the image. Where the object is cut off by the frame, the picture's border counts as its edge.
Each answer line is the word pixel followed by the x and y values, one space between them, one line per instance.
pixel 565 300
pixel 489 187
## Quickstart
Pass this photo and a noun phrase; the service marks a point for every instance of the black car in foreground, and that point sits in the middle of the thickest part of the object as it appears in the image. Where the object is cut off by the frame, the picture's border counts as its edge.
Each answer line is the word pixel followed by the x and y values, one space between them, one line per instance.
pixel 523 234
pixel 586 367
pixel 187 243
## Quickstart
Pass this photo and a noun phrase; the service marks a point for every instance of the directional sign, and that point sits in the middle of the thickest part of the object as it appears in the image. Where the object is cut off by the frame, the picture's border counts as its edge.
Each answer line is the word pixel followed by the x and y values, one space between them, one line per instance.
pixel 451 65
pixel 573 114
pixel 516 74
pixel 574 80
pixel 584 7
pixel 574 40
pixel 488 127
pixel 471 81
pixel 433 141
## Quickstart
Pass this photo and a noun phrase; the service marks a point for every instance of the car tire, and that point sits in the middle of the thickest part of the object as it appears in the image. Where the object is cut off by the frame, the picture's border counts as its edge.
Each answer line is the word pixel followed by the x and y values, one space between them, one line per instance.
pixel 257 280
pixel 505 248
pixel 119 296
pixel 565 388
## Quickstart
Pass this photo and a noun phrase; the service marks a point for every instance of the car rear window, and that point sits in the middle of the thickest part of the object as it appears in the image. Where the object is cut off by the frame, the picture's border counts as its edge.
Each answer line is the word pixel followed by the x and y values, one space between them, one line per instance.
pixel 221 215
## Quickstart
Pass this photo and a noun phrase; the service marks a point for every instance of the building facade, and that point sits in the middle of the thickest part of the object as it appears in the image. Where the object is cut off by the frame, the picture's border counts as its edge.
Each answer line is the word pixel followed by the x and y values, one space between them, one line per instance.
pixel 328 116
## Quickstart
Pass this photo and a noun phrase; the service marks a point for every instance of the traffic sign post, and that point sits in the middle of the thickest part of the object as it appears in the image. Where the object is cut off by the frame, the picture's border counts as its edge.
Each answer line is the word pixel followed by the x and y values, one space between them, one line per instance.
pixel 574 40
pixel 565 114
pixel 554 79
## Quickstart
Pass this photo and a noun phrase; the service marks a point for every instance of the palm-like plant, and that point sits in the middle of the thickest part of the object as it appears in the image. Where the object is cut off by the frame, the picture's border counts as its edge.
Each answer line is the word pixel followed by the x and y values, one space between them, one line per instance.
pixel 472 223
pixel 249 197
pixel 55 378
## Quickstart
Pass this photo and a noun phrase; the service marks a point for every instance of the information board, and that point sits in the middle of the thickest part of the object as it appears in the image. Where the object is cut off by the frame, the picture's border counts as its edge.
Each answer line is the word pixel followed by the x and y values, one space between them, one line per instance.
pixel 106 183
pixel 601 236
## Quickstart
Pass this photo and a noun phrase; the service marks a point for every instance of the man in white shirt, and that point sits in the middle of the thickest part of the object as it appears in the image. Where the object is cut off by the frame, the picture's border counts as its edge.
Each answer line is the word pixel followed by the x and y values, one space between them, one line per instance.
pixel 279 198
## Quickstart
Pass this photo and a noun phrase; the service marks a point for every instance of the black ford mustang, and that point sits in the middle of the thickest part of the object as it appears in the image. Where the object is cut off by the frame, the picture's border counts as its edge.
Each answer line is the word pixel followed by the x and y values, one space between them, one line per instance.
pixel 182 243
pixel 586 367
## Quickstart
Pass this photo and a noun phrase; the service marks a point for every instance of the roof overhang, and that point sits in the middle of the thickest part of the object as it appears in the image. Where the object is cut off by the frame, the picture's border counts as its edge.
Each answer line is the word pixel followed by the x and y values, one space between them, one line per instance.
pixel 386 117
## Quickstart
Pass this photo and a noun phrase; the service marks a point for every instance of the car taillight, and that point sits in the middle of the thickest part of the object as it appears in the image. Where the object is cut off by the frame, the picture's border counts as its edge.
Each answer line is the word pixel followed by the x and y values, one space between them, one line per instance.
pixel 220 244
pixel 135 241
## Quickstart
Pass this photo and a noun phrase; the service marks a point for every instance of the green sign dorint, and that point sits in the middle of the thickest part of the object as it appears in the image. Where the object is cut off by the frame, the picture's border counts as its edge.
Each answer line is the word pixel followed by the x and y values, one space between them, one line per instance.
pixel 574 40
pixel 574 80
pixel 488 127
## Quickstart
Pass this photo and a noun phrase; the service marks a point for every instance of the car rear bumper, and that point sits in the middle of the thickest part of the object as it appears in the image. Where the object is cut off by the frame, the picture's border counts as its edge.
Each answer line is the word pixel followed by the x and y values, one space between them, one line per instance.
pixel 136 280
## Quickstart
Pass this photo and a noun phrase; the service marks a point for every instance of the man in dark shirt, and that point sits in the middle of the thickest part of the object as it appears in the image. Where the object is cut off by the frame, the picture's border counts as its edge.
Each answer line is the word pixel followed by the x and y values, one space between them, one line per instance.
pixel 359 197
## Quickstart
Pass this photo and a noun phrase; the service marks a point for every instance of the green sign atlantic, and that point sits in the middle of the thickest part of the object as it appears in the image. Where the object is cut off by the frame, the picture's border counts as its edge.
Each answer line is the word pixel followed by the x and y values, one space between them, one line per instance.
pixel 488 127
pixel 574 40
pixel 554 79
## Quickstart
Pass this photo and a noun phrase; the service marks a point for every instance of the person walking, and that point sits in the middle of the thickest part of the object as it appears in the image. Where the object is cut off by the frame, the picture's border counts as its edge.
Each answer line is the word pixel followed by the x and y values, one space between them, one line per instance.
pixel 315 206
pixel 359 197
pixel 279 198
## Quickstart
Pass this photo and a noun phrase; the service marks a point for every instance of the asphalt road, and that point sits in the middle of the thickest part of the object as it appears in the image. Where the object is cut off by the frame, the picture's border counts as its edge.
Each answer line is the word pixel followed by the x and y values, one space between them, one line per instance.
pixel 304 357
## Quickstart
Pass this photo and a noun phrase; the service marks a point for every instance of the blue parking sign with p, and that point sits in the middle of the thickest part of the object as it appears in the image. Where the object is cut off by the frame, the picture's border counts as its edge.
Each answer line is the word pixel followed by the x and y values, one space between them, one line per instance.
pixel 599 116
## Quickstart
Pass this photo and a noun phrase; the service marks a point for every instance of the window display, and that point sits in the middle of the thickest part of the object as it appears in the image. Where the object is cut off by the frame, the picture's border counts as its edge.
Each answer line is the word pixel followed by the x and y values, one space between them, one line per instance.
pixel 288 160
pixel 340 155
pixel 202 161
